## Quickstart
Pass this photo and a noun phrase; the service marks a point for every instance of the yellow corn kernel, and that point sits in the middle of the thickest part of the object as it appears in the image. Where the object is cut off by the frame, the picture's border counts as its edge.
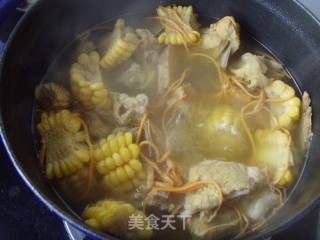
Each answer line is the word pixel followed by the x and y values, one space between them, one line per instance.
pixel 117 159
pixel 97 86
pixel 56 170
pixel 93 223
pixel 134 150
pixel 113 144
pixel 121 174
pixel 102 168
pixel 129 171
pixel 98 154
pixel 125 154
pixel 121 140
pixel 64 168
pixel 83 155
pixel 286 179
pixel 129 138
pixel 110 163
pixel 136 165
pixel 106 149
pixel 49 171
pixel 114 178
pixel 71 165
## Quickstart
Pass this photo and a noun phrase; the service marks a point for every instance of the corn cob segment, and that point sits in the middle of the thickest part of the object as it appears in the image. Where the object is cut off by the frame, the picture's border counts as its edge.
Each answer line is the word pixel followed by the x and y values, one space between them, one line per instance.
pixel 287 111
pixel 118 161
pixel 64 146
pixel 123 44
pixel 86 82
pixel 113 216
pixel 274 152
pixel 52 96
pixel 180 25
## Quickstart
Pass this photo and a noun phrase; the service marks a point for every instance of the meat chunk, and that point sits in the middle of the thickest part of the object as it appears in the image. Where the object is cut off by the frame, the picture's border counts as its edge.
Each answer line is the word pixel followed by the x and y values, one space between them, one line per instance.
pixel 234 179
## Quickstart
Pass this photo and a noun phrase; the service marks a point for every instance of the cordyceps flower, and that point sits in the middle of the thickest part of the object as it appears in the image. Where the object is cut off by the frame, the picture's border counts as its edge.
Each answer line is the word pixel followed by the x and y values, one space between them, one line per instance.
pixel 123 44
pixel 114 216
pixel 221 39
pixel 283 103
pixel 52 96
pixel 86 82
pixel 273 150
pixel 65 144
pixel 180 25
pixel 118 161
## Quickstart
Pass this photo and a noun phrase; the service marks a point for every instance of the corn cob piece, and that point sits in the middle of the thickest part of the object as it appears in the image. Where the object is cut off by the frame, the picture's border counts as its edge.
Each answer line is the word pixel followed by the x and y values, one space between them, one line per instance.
pixel 114 216
pixel 86 82
pixel 180 25
pixel 118 161
pixel 287 111
pixel 274 152
pixel 52 96
pixel 123 45
pixel 64 145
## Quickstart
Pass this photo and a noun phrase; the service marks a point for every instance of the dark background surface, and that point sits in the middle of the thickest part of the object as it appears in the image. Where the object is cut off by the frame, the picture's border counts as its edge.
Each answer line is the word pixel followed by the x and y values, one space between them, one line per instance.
pixel 22 216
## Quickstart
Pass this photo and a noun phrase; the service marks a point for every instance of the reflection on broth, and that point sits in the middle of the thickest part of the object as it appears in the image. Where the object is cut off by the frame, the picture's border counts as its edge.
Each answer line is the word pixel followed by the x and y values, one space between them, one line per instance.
pixel 182 133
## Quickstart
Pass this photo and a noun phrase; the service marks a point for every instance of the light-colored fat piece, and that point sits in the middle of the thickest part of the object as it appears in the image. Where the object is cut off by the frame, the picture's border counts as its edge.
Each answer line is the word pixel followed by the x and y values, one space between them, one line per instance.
pixel 234 179
pixel 306 122
pixel 258 205
pixel 225 225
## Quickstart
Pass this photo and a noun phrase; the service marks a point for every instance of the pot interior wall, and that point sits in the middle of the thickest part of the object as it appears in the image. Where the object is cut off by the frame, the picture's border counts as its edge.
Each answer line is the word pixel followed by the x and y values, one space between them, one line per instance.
pixel 282 26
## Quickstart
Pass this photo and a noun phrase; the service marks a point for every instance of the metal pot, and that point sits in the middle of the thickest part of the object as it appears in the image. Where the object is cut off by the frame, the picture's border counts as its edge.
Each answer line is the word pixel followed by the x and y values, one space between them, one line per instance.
pixel 284 27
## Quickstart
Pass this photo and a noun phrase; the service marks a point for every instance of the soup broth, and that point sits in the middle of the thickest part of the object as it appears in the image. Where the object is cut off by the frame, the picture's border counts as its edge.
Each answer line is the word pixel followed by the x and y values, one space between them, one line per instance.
pixel 169 129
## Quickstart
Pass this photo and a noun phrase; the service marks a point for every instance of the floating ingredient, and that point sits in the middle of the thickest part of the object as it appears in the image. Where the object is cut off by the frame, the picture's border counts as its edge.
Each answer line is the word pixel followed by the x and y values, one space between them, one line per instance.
pixel 118 162
pixel 123 44
pixel 65 143
pixel 221 40
pixel 113 216
pixel 283 103
pixel 52 96
pixel 86 82
pixel 180 25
